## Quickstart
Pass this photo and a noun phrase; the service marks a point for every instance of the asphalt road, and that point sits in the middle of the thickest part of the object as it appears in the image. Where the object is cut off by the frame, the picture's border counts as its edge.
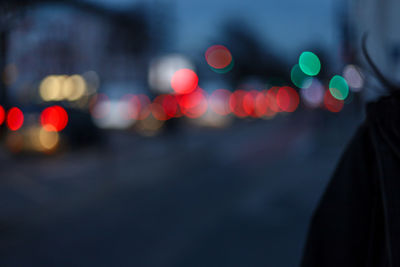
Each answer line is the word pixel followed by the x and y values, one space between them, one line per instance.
pixel 240 196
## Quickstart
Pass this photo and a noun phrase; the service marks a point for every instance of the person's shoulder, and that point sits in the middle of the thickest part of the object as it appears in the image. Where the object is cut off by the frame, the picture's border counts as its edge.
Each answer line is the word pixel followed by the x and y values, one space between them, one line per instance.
pixel 386 107
pixel 383 117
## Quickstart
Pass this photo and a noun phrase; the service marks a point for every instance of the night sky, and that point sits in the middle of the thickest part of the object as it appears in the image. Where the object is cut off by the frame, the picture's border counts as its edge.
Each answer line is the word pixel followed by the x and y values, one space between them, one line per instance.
pixel 286 25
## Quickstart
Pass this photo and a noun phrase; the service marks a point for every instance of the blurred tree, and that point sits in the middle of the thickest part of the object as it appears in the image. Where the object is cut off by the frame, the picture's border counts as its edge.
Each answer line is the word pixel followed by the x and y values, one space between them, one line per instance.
pixel 252 57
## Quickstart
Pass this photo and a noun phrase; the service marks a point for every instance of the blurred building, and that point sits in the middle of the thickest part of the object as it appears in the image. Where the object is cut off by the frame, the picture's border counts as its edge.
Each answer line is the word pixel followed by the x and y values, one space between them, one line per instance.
pixel 67 39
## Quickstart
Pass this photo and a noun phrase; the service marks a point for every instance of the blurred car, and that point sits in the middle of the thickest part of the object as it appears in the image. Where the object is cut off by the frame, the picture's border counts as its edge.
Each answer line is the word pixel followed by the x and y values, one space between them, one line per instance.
pixel 48 129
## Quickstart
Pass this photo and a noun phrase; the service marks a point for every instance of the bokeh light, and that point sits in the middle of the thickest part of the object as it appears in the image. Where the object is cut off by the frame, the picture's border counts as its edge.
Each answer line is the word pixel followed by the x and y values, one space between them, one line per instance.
pixel 338 87
pixel 224 70
pixel 193 105
pixel 134 106
pixel 114 113
pixel 270 101
pixel 170 106
pixel 212 119
pixel 313 96
pixel 149 126
pixel 354 77
pixel 62 87
pixel 73 88
pixel 49 138
pixel 219 101
pixel 270 98
pixel 219 58
pixel 331 103
pixel 158 112
pixel 2 115
pixel 236 103
pixel 255 104
pixel 145 106
pixel 249 103
pixel 349 99
pixel 309 63
pixel 299 78
pixel 184 81
pixel 50 88
pixel 99 106
pixel 54 118
pixel 287 99
pixel 162 69
pixel 164 107
pixel 260 105
pixel 15 119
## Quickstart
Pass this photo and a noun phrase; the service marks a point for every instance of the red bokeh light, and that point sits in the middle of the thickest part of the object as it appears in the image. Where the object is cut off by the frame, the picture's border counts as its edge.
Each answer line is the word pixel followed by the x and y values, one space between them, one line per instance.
pixel 269 113
pixel 287 99
pixel 164 107
pixel 54 118
pixel 218 56
pixel 260 104
pixel 331 103
pixel 184 81
pixel 255 104
pixel 145 106
pixel 134 106
pixel 236 103
pixel 219 102
pixel 158 112
pixel 178 112
pixel 270 98
pixel 170 105
pixel 15 119
pixel 193 105
pixel 2 115
pixel 249 103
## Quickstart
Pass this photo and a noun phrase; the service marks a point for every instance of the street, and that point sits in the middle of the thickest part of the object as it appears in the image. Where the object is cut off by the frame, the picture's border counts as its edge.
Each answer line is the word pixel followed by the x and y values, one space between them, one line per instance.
pixel 241 196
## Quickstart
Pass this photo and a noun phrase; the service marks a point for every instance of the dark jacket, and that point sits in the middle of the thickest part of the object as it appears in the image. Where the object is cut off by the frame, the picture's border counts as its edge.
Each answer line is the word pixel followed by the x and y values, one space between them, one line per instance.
pixel 357 222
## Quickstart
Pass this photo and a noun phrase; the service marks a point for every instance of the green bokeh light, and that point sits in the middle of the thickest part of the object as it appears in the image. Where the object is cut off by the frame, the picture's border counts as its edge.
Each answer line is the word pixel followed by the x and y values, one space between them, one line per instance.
pixel 339 87
pixel 299 78
pixel 309 63
pixel 349 99
pixel 224 70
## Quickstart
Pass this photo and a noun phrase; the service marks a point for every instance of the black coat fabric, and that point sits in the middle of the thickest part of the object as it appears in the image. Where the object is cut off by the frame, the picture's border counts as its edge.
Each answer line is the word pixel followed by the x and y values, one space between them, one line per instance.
pixel 357 222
